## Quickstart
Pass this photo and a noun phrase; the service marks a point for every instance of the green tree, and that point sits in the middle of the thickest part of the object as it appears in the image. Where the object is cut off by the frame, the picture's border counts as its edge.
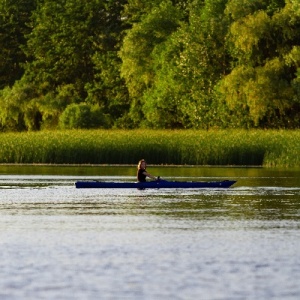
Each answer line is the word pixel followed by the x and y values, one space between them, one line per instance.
pixel 16 112
pixel 141 41
pixel 83 115
pixel 108 89
pixel 135 10
pixel 14 16
pixel 73 44
pixel 264 43
pixel 187 67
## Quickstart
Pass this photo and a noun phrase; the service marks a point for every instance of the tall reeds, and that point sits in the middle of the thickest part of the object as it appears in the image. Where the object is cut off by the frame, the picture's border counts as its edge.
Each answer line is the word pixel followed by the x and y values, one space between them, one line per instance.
pixel 179 147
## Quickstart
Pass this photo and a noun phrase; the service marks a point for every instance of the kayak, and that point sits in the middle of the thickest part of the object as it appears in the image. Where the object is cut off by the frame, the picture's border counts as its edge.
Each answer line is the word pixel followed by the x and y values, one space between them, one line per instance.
pixel 157 184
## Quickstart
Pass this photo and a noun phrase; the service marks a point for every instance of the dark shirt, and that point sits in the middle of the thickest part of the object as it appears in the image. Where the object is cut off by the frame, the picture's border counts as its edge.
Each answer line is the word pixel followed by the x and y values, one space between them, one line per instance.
pixel 140 176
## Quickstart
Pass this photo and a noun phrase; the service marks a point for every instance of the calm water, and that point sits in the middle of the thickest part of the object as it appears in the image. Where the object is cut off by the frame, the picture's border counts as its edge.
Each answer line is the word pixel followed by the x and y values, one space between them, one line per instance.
pixel 61 243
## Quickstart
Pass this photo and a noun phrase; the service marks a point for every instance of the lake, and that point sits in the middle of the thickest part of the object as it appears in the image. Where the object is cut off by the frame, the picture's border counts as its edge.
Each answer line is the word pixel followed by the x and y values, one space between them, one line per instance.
pixel 59 242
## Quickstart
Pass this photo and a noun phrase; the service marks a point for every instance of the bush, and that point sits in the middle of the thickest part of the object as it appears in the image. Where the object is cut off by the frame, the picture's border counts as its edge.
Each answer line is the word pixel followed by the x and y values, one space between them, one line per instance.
pixel 83 115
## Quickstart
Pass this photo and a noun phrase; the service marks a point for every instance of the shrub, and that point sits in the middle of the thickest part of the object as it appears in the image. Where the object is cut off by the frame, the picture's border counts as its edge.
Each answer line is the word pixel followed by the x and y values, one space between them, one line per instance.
pixel 83 115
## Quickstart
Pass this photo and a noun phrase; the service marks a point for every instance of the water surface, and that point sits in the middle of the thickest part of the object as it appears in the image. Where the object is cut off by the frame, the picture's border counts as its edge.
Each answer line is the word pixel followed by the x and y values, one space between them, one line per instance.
pixel 65 243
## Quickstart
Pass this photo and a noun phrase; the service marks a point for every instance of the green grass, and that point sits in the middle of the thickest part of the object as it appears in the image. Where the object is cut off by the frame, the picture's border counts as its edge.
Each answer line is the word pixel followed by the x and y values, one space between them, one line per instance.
pixel 179 147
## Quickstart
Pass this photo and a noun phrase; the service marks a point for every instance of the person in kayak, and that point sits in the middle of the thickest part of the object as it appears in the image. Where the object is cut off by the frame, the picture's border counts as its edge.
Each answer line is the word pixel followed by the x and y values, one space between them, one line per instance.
pixel 142 173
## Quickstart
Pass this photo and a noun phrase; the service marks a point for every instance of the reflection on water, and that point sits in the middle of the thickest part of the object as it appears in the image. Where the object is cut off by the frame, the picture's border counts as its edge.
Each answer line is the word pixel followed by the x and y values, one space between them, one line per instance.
pixel 67 243
pixel 54 195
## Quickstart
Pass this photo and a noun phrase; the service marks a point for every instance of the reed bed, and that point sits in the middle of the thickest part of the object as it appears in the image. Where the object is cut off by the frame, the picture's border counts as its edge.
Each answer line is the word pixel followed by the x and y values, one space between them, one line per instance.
pixel 174 147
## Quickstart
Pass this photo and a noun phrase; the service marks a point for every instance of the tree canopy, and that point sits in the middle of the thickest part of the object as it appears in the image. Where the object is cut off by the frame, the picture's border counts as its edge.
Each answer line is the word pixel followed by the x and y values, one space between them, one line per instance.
pixel 157 64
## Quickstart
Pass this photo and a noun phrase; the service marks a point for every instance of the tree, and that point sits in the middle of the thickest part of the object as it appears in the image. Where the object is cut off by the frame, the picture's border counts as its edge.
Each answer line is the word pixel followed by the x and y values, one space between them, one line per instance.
pixel 138 46
pixel 72 49
pixel 159 64
pixel 265 45
pixel 17 113
pixel 14 16
pixel 187 66
pixel 83 115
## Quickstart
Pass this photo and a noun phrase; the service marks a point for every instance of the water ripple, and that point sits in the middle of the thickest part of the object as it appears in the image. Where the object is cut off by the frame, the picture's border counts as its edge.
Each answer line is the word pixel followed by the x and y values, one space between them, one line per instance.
pixel 64 243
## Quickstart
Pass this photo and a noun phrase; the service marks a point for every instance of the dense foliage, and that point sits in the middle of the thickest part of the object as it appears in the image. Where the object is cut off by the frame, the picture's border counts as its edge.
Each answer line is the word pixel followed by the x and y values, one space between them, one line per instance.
pixel 156 64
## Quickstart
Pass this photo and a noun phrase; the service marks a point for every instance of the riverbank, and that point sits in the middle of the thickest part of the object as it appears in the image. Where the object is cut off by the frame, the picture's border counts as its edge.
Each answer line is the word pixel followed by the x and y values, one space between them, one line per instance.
pixel 268 148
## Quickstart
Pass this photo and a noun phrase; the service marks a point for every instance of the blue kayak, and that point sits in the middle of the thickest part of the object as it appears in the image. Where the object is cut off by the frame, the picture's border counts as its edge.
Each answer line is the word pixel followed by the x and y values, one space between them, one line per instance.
pixel 157 184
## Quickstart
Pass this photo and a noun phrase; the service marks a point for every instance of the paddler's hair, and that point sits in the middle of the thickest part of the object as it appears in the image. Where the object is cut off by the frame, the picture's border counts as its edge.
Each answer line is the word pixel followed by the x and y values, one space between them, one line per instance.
pixel 140 162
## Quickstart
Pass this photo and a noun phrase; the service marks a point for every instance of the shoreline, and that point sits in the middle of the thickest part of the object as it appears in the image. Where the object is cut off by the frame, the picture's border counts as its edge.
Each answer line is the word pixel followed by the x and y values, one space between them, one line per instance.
pixel 130 165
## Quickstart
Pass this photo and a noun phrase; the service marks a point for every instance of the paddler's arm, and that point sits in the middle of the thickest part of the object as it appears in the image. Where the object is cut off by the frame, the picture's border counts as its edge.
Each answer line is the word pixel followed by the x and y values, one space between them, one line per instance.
pixel 149 175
